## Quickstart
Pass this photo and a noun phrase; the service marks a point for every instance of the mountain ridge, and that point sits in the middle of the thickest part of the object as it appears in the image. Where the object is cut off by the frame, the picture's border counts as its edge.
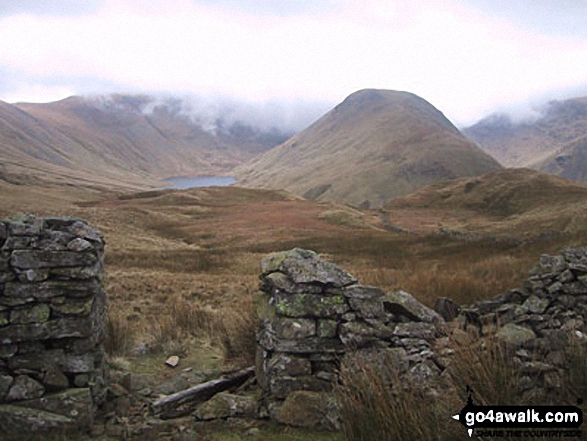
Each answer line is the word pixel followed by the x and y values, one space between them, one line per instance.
pixel 374 145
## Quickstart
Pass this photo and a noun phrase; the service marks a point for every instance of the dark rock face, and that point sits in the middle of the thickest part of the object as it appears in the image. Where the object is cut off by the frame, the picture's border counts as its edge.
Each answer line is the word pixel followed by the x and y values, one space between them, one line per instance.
pixel 52 307
pixel 312 313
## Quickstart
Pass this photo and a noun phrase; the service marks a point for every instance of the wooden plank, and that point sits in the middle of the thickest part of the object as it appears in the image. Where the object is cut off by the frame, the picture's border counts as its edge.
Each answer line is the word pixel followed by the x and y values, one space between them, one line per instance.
pixel 185 402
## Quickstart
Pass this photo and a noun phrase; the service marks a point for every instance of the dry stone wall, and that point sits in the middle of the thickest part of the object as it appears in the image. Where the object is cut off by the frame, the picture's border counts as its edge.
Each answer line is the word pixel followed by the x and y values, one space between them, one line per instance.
pixel 539 321
pixel 312 313
pixel 52 367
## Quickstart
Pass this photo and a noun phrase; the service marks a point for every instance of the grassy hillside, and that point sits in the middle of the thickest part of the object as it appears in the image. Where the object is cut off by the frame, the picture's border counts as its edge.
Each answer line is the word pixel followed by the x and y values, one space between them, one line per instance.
pixel 375 145
pixel 519 203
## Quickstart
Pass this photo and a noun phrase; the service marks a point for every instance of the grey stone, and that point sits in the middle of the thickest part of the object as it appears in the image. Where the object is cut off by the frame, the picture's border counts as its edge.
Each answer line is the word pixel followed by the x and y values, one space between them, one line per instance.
pixel 306 346
pixel 25 388
pixel 363 292
pixel 566 276
pixel 4 318
pixel 27 259
pixel 7 276
pixel 59 328
pixel 46 290
pixel 74 404
pixel 82 230
pixel 226 405
pixel 536 305
pixel 425 331
pixel 3 233
pixel 308 305
pixel 78 244
pixel 360 334
pixel 81 380
pixel 327 328
pixel 73 307
pixel 446 308
pixel 304 266
pixel 293 329
pixel 28 227
pixel 401 303
pixel 289 365
pixel 313 410
pixel 39 313
pixel 284 283
pixel 515 335
pixel 281 387
pixel 367 308
pixel 77 272
pixel 33 275
pixel 29 423
pixel 54 379
pixel 5 384
pixel 7 351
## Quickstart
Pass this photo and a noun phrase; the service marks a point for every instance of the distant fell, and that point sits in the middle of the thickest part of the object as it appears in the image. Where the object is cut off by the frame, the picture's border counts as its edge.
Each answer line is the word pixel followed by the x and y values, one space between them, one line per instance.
pixel 375 145
pixel 120 141
pixel 531 143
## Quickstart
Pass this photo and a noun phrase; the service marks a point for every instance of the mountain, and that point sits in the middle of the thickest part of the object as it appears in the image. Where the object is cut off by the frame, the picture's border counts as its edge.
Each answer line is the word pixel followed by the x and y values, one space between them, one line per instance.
pixel 375 145
pixel 121 140
pixel 530 143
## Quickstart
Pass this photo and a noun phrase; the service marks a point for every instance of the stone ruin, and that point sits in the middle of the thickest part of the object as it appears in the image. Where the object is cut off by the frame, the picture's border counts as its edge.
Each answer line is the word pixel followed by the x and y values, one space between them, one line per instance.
pixel 52 307
pixel 313 314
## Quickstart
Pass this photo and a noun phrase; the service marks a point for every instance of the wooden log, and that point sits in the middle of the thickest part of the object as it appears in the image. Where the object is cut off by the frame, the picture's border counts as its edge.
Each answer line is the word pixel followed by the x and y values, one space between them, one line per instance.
pixel 185 402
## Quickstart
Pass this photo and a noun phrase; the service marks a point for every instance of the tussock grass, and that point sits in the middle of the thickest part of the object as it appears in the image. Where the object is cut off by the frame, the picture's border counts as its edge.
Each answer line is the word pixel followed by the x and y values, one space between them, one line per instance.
pixel 119 334
pixel 375 405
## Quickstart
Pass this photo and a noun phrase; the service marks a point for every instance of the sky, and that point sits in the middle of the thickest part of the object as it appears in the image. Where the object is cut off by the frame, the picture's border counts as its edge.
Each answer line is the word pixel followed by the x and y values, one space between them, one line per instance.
pixel 468 58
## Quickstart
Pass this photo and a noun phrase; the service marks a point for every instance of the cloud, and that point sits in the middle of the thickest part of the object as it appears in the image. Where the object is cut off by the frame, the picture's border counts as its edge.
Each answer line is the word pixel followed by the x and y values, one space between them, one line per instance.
pixel 48 7
pixel 466 61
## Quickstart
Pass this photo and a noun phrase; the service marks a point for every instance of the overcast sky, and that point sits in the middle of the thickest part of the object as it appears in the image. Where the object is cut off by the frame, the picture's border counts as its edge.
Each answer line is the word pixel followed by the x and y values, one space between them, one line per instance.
pixel 467 57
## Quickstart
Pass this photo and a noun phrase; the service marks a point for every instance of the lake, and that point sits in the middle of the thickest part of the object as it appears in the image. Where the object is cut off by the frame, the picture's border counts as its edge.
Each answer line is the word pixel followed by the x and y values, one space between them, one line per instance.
pixel 200 181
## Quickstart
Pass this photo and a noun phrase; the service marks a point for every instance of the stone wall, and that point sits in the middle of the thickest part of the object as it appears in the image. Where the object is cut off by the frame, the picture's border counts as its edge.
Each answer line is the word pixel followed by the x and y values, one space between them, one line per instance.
pixel 312 313
pixel 539 320
pixel 52 367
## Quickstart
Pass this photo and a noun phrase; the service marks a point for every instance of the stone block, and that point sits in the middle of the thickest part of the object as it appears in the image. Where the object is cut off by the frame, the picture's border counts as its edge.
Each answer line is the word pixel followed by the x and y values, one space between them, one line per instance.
pixel 73 307
pixel 293 329
pixel 367 308
pixel 27 259
pixel 38 313
pixel 306 346
pixel 281 387
pixel 289 365
pixel 6 382
pixel 25 388
pixel 313 410
pixel 308 305
pixel 33 275
pixel 425 331
pixel 327 328
pixel 29 227
pixel 53 329
pixel 46 290
pixel 360 334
